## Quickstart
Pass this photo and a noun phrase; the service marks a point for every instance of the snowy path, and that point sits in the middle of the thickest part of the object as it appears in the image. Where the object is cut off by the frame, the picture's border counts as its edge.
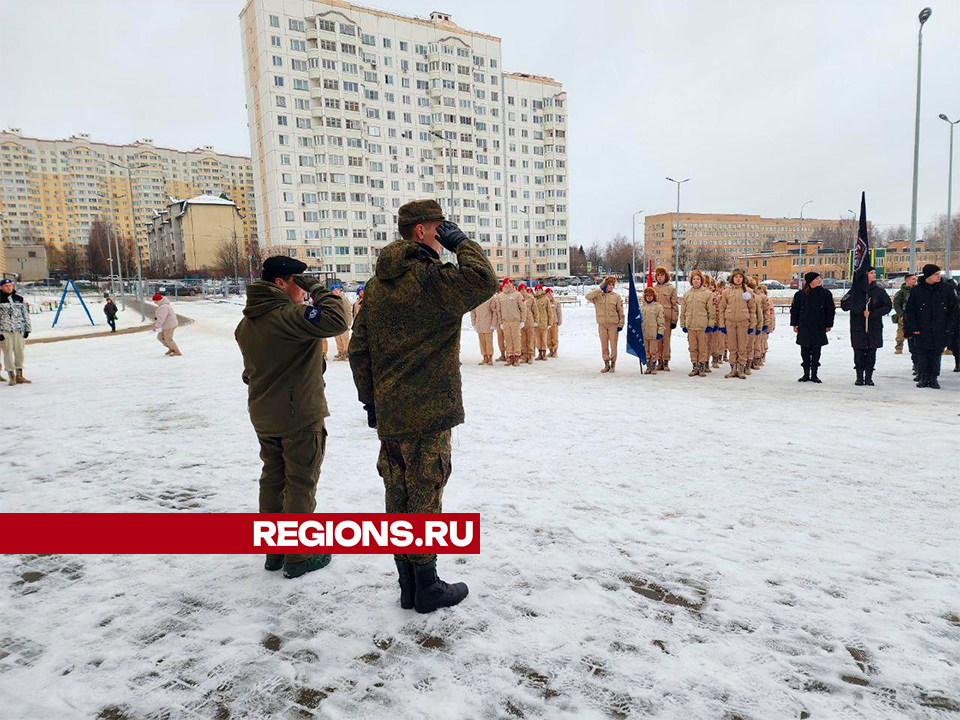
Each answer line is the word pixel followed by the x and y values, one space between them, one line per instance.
pixel 660 546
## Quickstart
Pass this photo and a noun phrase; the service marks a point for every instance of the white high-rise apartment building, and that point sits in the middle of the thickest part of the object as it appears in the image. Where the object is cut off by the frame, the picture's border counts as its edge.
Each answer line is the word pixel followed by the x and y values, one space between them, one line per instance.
pixel 354 112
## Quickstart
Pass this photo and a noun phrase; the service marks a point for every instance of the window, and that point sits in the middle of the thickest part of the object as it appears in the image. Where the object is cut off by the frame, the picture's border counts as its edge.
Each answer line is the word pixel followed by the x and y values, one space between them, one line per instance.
pixel 277 61
pixel 281 101
pixel 298 45
pixel 299 84
pixel 278 80
pixel 281 119
pixel 368 40
pixel 326 26
pixel 328 45
pixel 275 41
pixel 296 25
pixel 275 21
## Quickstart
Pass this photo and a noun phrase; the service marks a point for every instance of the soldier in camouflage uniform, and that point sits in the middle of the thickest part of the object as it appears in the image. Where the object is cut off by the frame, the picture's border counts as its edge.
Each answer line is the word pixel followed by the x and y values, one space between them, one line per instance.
pixel 405 357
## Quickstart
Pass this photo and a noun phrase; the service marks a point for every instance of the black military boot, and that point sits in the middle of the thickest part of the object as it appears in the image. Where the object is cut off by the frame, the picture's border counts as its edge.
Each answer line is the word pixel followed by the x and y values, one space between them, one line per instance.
pixel 859 377
pixel 314 562
pixel 956 363
pixel 813 374
pixel 868 377
pixel 932 382
pixel 806 374
pixel 433 593
pixel 273 563
pixel 408 584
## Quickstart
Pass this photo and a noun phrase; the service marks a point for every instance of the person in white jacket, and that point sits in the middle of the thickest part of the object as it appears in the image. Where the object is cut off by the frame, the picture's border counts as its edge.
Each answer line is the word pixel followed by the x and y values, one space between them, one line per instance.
pixel 166 323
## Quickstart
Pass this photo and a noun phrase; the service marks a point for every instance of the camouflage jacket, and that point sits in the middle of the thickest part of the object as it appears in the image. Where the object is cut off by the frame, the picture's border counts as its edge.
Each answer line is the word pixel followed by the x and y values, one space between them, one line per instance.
pixel 405 350
pixel 282 360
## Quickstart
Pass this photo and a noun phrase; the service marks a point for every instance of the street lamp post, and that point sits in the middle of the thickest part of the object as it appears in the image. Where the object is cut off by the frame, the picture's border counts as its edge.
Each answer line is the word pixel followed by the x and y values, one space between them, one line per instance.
pixel 449 163
pixel 676 232
pixel 529 250
pixel 634 266
pixel 123 301
pixel 133 230
pixel 923 17
pixel 949 194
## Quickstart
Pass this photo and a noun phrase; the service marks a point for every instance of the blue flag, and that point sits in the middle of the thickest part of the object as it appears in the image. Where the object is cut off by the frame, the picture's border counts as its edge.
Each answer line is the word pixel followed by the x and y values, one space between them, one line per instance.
pixel 635 323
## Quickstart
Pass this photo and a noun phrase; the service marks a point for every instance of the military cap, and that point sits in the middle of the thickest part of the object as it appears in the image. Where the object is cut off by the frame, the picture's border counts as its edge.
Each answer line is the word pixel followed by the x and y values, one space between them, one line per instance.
pixel 419 211
pixel 281 266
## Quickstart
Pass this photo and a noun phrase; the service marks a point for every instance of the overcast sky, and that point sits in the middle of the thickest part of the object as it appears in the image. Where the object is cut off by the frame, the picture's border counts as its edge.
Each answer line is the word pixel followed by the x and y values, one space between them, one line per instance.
pixel 763 104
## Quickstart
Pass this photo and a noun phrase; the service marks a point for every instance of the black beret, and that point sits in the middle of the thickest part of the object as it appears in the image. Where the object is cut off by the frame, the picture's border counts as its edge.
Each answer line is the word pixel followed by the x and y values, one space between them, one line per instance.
pixel 281 266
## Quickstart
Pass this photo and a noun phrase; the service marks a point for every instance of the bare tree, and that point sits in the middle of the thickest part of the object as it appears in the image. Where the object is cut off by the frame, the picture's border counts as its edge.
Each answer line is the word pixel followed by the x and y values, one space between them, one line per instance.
pixel 836 237
pixel 255 256
pixel 578 260
pixel 935 234
pixel 618 254
pixel 72 261
pixel 595 255
pixel 709 260
pixel 54 259
pixel 98 252
pixel 229 258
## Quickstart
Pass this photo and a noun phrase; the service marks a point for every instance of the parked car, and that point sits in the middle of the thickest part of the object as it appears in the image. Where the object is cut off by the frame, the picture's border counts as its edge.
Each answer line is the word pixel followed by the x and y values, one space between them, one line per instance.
pixel 773 284
pixel 795 284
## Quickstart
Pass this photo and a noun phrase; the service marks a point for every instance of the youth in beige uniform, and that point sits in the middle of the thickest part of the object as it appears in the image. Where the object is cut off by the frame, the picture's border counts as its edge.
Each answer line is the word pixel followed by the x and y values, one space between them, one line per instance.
pixel 556 319
pixel 667 297
pixel 498 323
pixel 651 313
pixel 543 321
pixel 513 311
pixel 737 315
pixel 697 317
pixel 482 319
pixel 609 310
pixel 718 342
pixel 343 341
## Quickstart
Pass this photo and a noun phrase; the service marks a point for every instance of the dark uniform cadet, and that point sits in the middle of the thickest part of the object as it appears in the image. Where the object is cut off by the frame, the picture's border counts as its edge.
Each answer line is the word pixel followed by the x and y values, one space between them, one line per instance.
pixel 279 338
pixel 405 357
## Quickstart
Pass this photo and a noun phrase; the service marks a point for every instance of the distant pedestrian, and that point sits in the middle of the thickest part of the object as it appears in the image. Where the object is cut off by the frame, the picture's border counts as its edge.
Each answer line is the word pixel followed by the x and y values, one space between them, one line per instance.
pixel 15 328
pixel 811 315
pixel 110 310
pixel 931 319
pixel 610 319
pixel 165 324
pixel 866 328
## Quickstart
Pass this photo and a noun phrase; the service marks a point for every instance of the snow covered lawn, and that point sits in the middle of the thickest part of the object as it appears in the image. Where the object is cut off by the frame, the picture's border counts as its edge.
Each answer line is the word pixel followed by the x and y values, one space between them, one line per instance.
pixel 659 546
pixel 74 321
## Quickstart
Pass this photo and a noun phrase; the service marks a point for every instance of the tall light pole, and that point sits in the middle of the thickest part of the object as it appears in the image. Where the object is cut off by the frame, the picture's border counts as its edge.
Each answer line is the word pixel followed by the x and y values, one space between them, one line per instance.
pixel 949 192
pixel 923 17
pixel 801 218
pixel 123 299
pixel 449 163
pixel 133 230
pixel 529 250
pixel 676 233
pixel 633 268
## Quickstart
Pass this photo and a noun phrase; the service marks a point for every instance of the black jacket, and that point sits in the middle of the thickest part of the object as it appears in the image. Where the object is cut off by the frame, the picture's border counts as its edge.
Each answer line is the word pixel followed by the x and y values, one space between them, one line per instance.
pixel 863 337
pixel 812 314
pixel 110 309
pixel 932 311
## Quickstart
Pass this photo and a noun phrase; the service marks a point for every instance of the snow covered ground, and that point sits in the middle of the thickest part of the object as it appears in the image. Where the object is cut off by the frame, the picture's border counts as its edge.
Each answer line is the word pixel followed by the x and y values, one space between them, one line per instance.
pixel 663 546
pixel 73 320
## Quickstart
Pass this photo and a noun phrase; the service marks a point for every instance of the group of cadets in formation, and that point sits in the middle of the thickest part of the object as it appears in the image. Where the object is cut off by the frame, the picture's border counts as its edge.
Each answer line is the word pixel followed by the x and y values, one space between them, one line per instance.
pixel 723 323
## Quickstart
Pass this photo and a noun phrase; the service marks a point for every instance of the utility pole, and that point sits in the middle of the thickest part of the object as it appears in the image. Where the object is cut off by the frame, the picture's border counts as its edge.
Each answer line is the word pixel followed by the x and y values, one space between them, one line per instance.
pixel 676 236
pixel 133 222
pixel 923 17
pixel 947 244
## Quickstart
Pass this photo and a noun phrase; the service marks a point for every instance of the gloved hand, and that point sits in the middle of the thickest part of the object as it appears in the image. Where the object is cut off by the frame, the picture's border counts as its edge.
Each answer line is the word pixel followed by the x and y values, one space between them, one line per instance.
pixel 306 283
pixel 684 330
pixel 371 415
pixel 709 330
pixel 749 331
pixel 2 338
pixel 26 335
pixel 620 328
pixel 659 337
pixel 673 326
pixel 450 236
pixel 765 327
pixel 723 330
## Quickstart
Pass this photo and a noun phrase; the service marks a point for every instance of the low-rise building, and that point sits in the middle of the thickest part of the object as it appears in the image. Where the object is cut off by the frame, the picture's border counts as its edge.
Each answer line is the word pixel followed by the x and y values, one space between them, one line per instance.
pixel 186 235
pixel 27 262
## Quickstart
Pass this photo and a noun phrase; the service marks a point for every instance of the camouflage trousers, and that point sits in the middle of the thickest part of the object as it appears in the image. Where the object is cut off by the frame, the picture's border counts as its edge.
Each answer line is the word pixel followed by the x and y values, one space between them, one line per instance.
pixel 291 469
pixel 415 471
pixel 900 334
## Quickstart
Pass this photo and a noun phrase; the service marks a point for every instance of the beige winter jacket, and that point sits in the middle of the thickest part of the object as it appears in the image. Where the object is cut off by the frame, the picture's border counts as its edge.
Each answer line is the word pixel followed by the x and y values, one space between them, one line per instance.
pixel 166 316
pixel 608 306
pixel 735 309
pixel 697 311
pixel 556 312
pixel 667 297
pixel 512 308
pixel 652 317
pixel 347 309
pixel 760 319
pixel 717 297
pixel 543 311
pixel 482 316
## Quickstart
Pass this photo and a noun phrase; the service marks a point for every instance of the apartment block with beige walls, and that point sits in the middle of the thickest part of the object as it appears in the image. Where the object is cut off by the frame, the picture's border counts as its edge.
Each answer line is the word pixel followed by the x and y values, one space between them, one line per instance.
pixel 53 190
pixel 187 234
pixel 354 112
pixel 731 234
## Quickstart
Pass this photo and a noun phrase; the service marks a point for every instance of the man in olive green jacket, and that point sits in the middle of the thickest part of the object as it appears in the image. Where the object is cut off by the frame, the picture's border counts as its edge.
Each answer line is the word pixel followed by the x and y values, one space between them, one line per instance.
pixel 405 357
pixel 283 364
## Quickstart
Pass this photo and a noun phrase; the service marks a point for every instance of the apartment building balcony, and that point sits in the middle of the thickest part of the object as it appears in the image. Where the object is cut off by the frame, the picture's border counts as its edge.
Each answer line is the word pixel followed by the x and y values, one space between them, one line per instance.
pixel 435 92
pixel 311 33
pixel 314 73
pixel 316 93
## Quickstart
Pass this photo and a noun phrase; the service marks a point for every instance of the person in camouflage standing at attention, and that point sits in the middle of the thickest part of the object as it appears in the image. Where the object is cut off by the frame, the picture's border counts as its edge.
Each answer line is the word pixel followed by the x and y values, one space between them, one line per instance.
pixel 405 357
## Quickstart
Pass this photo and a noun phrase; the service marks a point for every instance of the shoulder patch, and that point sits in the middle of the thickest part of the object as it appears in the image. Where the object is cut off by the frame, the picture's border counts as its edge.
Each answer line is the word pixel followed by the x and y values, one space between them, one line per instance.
pixel 312 314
